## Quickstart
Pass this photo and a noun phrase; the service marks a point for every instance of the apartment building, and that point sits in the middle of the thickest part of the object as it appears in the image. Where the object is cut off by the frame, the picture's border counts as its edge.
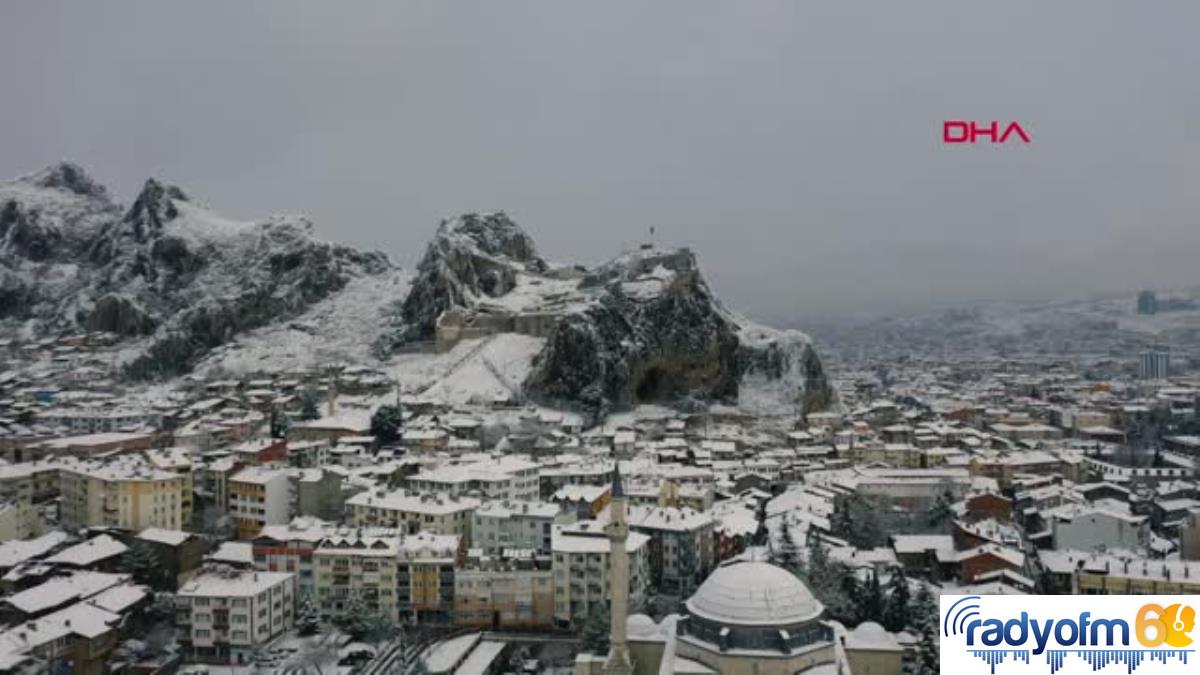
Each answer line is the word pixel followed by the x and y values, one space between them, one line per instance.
pixel 259 496
pixel 425 572
pixel 503 524
pixel 352 572
pixel 510 591
pixel 681 547
pixel 290 548
pixel 78 421
pixel 1091 573
pixel 20 517
pixel 505 477
pixel 224 616
pixel 581 570
pixel 412 513
pixel 177 461
pixel 124 492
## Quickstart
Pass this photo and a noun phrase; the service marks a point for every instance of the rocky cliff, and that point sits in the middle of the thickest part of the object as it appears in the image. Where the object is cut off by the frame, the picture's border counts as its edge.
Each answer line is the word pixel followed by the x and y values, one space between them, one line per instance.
pixel 644 327
pixel 470 258
pixel 167 274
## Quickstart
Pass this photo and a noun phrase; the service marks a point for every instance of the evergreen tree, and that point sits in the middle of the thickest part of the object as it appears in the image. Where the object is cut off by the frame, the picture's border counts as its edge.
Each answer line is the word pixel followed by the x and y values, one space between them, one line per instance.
pixel 925 622
pixel 279 424
pixel 760 537
pixel 378 627
pixel 308 405
pixel 857 521
pixel 896 611
pixel 308 619
pixel 596 629
pixel 942 510
pixel 784 552
pixel 871 599
pixel 831 582
pixel 386 423
pixel 354 618
pixel 142 562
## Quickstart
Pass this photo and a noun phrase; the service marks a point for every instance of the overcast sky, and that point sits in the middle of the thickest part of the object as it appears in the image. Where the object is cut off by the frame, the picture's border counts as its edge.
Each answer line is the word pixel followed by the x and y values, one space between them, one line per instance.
pixel 794 145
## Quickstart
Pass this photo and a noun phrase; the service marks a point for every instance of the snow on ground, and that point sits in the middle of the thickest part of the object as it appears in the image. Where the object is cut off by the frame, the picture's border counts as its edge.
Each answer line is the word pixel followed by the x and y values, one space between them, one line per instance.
pixel 473 371
pixel 444 655
pixel 341 327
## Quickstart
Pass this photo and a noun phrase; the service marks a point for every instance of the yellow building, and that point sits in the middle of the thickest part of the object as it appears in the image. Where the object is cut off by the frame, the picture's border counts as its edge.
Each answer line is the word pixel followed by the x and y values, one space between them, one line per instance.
pixel 177 461
pixel 427 564
pixel 259 496
pixel 123 492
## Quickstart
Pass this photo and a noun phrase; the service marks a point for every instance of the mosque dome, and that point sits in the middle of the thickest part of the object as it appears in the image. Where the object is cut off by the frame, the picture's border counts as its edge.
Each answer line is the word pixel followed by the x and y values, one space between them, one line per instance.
pixel 752 593
pixel 640 626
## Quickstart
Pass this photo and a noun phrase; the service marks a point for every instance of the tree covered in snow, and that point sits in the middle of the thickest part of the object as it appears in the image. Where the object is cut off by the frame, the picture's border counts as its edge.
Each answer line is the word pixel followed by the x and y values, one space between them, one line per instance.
pixel 784 551
pixel 925 622
pixel 870 598
pixel 761 533
pixel 309 404
pixel 897 610
pixel 387 423
pixel 829 579
pixel 596 630
pixel 308 619
pixel 143 563
pixel 279 424
pixel 942 510
pixel 856 520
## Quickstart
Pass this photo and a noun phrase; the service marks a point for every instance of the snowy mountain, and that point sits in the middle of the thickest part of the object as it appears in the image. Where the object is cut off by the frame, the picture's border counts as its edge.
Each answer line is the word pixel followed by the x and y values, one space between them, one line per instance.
pixel 644 327
pixel 486 316
pixel 170 276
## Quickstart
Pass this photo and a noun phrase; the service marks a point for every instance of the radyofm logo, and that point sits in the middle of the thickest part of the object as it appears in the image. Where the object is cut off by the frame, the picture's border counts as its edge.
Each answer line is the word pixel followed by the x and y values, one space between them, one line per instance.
pixel 1019 633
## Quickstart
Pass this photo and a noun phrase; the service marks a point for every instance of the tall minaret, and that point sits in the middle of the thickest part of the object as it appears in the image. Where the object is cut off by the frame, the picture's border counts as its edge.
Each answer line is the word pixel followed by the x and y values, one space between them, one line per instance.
pixel 618 662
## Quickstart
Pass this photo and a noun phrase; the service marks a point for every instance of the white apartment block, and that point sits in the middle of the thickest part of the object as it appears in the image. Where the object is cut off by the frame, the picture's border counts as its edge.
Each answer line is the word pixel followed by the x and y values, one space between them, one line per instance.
pixel 502 524
pixel 581 570
pixel 682 551
pixel 78 421
pixel 223 616
pixel 412 513
pixel 505 477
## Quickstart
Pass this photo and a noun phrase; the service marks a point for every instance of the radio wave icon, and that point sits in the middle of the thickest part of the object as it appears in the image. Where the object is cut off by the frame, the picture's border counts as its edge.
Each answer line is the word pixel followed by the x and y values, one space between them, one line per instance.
pixel 956 617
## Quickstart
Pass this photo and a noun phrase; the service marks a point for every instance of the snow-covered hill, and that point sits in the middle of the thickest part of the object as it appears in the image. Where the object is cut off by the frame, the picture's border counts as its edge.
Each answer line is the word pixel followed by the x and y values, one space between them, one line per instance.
pixel 644 327
pixel 170 276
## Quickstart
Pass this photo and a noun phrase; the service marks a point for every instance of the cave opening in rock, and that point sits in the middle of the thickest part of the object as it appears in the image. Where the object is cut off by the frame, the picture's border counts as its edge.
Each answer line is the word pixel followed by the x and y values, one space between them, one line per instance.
pixel 655 385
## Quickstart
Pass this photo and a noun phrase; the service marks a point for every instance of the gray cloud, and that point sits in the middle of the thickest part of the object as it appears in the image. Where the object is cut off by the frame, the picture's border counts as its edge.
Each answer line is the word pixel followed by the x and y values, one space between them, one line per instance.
pixel 794 145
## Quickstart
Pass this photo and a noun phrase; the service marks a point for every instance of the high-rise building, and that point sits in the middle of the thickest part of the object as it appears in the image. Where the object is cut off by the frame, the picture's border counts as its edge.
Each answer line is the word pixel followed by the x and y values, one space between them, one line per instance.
pixel 1154 364
pixel 1147 303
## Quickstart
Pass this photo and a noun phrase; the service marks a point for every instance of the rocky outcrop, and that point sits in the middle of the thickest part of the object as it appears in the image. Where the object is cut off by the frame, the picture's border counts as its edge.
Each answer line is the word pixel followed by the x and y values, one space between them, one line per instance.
pixel 471 257
pixel 627 348
pixel 644 327
pixel 177 276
